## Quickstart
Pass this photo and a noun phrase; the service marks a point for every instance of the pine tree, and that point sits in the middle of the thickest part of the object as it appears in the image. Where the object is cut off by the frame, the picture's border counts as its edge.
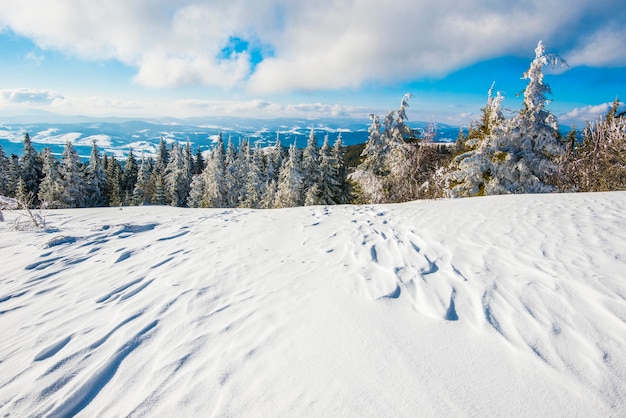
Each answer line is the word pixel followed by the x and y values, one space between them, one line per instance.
pixel 13 176
pixel 213 174
pixel 4 173
pixel 96 179
pixel 177 177
pixel 113 172
pixel 232 176
pixel 310 162
pixel 327 189
pixel 158 197
pixel 142 192
pixel 519 155
pixel 129 178
pixel 470 169
pixel 255 182
pixel 341 171
pixel 289 192
pixel 74 186
pixel 274 162
pixel 197 192
pixel 199 163
pixel 50 188
pixel 30 172
pixel 526 149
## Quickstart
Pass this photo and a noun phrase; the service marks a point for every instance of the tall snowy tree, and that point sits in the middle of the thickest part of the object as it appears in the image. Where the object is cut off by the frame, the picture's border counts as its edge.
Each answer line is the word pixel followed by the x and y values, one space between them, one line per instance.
pixel 518 155
pixel 471 169
pixel 4 173
pixel 13 176
pixel 327 189
pixel 385 157
pixel 274 161
pixel 129 177
pixel 341 171
pixel 215 189
pixel 177 177
pixel 526 148
pixel 254 179
pixel 30 172
pixel 50 188
pixel 310 162
pixel 197 192
pixel 96 179
pixel 74 193
pixel 198 163
pixel 113 172
pixel 289 192
pixel 141 192
pixel 232 176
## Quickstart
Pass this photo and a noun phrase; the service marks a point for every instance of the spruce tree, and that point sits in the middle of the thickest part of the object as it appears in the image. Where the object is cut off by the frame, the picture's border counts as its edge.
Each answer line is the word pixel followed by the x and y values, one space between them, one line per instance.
pixel 96 179
pixel 4 173
pixel 50 188
pixel 30 172
pixel 113 172
pixel 310 162
pixel 215 190
pixel 129 178
pixel 289 191
pixel 141 192
pixel 74 186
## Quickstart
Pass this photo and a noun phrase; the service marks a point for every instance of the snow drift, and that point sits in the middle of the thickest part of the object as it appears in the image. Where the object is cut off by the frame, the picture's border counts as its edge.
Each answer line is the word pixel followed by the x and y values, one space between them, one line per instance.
pixel 497 306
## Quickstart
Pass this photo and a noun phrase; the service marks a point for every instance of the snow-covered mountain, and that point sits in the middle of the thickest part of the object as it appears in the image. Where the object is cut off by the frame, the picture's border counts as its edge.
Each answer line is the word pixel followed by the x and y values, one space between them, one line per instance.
pixel 496 306
pixel 116 136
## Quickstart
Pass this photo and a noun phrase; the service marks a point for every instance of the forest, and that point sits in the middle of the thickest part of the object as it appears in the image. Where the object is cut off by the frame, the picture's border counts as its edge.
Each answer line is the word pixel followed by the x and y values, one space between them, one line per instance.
pixel 523 153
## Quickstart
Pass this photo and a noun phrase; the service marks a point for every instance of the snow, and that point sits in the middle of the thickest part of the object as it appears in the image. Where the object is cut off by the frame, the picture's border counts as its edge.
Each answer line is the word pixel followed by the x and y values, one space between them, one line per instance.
pixel 494 306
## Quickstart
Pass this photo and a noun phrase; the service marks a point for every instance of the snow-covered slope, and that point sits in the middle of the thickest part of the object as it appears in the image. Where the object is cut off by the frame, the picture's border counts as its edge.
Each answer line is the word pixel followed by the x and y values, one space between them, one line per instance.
pixel 499 306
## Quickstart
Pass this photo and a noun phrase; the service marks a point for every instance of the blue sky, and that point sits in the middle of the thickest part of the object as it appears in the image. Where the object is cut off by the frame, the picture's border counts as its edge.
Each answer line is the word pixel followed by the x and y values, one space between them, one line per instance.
pixel 329 58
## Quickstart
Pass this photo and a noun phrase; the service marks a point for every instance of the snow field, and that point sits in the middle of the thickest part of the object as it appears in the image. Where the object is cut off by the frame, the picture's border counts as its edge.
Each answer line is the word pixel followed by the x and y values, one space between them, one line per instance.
pixel 498 306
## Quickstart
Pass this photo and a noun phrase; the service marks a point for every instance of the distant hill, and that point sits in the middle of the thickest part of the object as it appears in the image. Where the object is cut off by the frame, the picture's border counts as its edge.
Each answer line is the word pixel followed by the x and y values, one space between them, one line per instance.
pixel 116 136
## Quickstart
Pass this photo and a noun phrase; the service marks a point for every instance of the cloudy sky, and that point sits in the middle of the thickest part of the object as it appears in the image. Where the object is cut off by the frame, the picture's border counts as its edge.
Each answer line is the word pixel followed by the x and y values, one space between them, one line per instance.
pixel 320 58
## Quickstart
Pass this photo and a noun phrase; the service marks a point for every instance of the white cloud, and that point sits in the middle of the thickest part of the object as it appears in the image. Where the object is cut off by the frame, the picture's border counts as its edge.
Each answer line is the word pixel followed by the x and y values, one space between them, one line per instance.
pixel 602 48
pixel 327 44
pixel 28 97
pixel 585 113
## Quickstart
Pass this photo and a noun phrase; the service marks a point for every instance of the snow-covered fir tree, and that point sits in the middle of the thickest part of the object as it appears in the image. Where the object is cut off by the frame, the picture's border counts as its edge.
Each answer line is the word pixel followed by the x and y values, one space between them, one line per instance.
pixel 113 172
pixel 129 178
pixel 310 162
pixel 50 188
pixel 4 173
pixel 215 189
pixel 74 186
pixel 197 192
pixel 177 177
pixel 232 180
pixel 526 148
pixel 254 178
pixel 30 172
pixel 327 189
pixel 289 191
pixel 341 171
pixel 142 192
pixel 13 176
pixel 96 179
pixel 518 155
pixel 471 169
pixel 274 160
pixel 384 157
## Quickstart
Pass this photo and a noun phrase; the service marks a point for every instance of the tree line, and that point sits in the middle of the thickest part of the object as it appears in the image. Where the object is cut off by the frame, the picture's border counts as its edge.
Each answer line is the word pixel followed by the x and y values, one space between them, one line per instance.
pixel 227 176
pixel 525 153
